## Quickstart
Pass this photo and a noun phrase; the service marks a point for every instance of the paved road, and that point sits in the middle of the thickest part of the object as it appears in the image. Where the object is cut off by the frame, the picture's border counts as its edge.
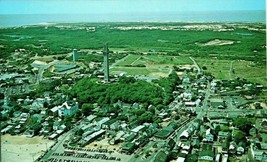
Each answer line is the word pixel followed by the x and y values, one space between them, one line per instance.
pixel 195 63
pixel 58 147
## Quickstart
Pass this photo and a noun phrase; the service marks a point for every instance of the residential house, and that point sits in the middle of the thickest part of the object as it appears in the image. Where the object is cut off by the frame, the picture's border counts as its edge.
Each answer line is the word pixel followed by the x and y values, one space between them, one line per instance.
pixel 240 150
pixel 259 155
pixel 117 138
pixel 130 137
pixel 184 136
pixel 141 141
pixel 225 158
pixel 185 146
pixel 180 159
pixel 39 103
pixel 217 103
pixel 218 158
pixel 24 117
pixel 54 110
pixel 161 156
pixel 107 124
pixel 232 147
pixel 67 109
pixel 115 125
pixel 209 137
pixel 225 147
pixel 205 155
pixel 128 147
pixel 139 129
pixel 259 150
pixel 169 144
pixel 223 135
pixel 195 143
pixel 90 118
pixel 56 125
pixel 102 121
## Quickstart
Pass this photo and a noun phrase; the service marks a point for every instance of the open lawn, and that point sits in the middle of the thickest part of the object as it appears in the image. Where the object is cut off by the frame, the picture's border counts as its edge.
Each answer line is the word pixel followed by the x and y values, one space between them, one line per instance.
pixel 153 65
pixel 148 60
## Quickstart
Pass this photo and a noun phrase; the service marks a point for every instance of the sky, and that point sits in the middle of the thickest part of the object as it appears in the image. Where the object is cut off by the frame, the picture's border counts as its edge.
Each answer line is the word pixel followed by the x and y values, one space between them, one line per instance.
pixel 123 6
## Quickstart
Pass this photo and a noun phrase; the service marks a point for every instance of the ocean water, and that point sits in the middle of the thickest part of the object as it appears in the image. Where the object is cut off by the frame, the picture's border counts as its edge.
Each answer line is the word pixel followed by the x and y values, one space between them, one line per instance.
pixel 200 16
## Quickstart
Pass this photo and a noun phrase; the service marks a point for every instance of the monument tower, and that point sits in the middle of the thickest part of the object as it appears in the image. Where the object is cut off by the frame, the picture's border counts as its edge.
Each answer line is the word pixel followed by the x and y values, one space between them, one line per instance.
pixel 75 55
pixel 106 63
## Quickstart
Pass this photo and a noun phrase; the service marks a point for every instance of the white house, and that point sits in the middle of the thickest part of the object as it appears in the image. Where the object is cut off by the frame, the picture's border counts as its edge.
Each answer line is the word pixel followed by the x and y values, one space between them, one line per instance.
pixel 67 108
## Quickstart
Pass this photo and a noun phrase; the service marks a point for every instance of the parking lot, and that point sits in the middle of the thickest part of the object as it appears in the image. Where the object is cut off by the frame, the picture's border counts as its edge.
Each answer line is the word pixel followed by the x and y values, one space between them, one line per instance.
pixel 75 157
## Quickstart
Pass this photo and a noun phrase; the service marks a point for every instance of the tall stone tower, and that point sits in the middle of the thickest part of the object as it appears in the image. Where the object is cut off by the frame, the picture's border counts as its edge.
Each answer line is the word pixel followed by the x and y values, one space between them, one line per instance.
pixel 75 55
pixel 106 63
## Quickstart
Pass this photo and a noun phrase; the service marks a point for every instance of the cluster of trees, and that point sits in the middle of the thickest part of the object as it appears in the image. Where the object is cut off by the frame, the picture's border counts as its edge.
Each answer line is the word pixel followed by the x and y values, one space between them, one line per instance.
pixel 244 124
pixel 34 125
pixel 127 90
pixel 168 84
pixel 47 86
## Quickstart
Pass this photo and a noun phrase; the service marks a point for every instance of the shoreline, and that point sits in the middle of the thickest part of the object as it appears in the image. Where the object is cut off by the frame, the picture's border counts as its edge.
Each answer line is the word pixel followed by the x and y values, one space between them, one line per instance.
pixel 130 22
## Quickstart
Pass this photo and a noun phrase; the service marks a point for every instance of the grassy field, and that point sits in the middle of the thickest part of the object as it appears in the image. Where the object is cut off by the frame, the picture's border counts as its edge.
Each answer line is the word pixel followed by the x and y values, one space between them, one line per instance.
pixel 153 65
pixel 232 69
pixel 160 65
pixel 148 60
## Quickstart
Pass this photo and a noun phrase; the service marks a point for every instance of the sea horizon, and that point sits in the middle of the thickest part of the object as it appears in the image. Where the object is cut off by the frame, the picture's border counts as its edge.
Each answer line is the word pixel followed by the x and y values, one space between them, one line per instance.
pixel 250 16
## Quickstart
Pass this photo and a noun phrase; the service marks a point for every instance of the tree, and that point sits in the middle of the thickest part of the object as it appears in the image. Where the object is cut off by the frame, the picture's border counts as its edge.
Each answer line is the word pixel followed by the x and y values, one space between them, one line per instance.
pixel 2 96
pixel 67 121
pixel 78 114
pixel 244 124
pixel 160 107
pixel 87 108
pixel 45 104
pixel 79 132
pixel 239 136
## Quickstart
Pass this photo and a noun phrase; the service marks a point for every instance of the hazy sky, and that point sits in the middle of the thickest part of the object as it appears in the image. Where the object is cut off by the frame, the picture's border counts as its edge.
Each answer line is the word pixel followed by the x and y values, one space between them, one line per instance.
pixel 124 6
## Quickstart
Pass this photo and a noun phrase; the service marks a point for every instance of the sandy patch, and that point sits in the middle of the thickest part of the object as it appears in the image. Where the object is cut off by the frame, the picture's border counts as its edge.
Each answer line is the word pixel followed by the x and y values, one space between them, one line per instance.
pixel 37 62
pixel 103 144
pixel 216 42
pixel 159 74
pixel 22 148
pixel 180 73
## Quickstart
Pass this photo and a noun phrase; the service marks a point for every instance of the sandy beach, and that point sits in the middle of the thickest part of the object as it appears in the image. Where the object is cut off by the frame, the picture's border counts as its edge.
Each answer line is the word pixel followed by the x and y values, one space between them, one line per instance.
pixel 23 149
